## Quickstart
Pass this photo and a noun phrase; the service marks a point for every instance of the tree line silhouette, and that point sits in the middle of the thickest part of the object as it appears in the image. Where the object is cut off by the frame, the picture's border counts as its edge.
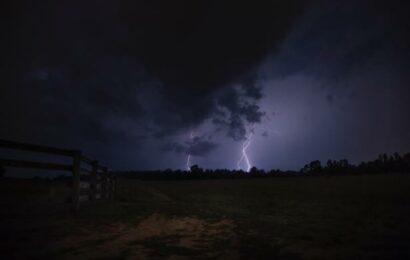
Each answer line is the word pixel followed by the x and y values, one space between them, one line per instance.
pixel 383 164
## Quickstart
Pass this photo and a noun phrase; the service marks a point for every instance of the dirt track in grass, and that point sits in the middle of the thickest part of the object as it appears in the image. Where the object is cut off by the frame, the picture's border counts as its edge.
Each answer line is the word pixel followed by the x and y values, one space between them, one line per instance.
pixel 154 237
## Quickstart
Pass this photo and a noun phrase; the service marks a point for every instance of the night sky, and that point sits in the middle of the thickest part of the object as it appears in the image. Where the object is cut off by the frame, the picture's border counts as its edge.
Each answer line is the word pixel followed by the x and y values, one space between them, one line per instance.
pixel 143 84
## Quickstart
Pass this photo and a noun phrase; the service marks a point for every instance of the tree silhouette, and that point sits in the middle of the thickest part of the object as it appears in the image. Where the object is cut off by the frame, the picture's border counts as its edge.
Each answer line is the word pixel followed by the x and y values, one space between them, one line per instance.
pixel 253 170
pixel 196 169
pixel 314 167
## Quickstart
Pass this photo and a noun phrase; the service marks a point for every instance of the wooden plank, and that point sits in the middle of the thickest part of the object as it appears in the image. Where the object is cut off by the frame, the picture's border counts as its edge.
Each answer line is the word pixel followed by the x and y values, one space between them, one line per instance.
pixel 84 185
pixel 76 181
pixel 87 194
pixel 87 160
pixel 83 198
pixel 35 165
pixel 102 168
pixel 85 171
pixel 35 148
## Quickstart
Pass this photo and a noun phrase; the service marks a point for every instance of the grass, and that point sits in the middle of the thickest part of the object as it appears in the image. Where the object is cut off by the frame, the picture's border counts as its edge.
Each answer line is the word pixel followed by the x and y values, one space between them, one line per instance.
pixel 343 217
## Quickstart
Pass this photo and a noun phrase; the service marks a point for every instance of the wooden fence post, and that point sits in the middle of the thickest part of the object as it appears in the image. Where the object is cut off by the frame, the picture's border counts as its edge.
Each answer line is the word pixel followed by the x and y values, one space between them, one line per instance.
pixel 105 183
pixel 76 180
pixel 94 180
pixel 113 184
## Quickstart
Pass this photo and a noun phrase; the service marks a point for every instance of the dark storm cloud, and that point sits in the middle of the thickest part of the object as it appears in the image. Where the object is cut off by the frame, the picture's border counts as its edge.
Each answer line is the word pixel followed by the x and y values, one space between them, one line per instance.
pixel 338 39
pixel 113 87
pixel 192 48
pixel 189 45
pixel 211 46
pixel 199 146
pixel 330 99
pixel 65 109
pixel 339 42
pixel 202 45
pixel 237 109
pixel 202 148
pixel 174 147
pixel 252 90
pixel 127 71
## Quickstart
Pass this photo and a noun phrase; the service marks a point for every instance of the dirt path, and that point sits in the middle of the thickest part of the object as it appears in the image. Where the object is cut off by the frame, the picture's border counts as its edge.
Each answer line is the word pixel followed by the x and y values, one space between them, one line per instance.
pixel 155 237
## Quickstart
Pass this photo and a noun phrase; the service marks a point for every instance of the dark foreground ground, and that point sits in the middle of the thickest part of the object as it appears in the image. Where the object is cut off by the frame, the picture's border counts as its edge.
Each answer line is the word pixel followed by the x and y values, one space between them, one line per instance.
pixel 345 217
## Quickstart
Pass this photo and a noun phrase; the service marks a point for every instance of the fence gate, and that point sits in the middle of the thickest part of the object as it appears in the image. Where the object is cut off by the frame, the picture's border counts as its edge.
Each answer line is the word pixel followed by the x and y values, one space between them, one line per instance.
pixel 90 180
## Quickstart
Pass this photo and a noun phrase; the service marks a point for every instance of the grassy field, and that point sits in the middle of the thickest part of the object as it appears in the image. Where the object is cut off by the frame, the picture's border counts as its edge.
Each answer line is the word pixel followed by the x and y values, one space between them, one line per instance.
pixel 341 217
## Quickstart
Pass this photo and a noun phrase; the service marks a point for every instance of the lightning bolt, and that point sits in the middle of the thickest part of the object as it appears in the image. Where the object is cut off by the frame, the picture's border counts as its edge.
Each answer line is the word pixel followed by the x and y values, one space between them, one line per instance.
pixel 188 162
pixel 244 156
pixel 188 159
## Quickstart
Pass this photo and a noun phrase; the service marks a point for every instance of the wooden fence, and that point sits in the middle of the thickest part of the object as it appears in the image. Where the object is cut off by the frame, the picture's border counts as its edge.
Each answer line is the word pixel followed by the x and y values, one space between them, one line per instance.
pixel 90 180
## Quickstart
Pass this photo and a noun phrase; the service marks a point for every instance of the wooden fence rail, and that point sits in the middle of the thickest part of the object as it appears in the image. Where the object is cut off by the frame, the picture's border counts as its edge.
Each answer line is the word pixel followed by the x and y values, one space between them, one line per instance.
pixel 99 184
